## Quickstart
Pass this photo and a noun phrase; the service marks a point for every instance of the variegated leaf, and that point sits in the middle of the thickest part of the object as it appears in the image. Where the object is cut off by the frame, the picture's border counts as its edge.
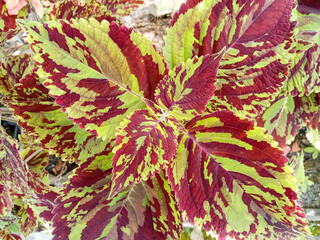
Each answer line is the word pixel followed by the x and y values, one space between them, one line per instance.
pixel 257 35
pixel 6 235
pixel 304 75
pixel 120 8
pixel 145 144
pixel 43 119
pixel 42 197
pixel 145 211
pixel 12 171
pixel 99 72
pixel 186 90
pixel 287 115
pixel 230 177
pixel 12 70
pixel 68 9
pixel 40 200
pixel 5 202
pixel 27 220
pixel 8 26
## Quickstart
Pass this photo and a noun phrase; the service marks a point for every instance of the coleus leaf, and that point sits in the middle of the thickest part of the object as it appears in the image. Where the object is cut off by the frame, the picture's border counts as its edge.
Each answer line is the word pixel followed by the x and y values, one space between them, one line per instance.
pixel 257 36
pixel 228 168
pixel 304 75
pixel 27 220
pixel 40 200
pixel 186 90
pixel 120 8
pixel 12 171
pixel 12 70
pixel 287 115
pixel 99 72
pixel 146 210
pixel 6 235
pixel 42 118
pixel 309 6
pixel 69 9
pixel 144 146
pixel 8 26
pixel 5 202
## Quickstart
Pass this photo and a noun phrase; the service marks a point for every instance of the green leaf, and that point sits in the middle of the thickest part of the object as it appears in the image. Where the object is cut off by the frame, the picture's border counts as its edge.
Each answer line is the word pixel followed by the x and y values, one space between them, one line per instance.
pixel 309 149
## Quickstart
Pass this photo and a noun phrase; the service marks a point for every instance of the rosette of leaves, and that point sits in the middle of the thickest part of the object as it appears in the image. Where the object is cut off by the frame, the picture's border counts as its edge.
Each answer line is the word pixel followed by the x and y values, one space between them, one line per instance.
pixel 165 155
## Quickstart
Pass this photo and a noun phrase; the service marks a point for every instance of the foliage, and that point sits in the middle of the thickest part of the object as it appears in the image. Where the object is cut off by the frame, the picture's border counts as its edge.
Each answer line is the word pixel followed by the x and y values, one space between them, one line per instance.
pixel 161 135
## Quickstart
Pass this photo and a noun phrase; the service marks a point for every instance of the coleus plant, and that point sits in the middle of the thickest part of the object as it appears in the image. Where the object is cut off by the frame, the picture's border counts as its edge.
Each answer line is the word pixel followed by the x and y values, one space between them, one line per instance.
pixel 163 137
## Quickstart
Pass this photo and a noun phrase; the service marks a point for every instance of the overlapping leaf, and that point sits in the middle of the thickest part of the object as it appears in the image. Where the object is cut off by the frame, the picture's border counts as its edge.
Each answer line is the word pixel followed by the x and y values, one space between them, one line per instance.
pixel 304 75
pixel 5 202
pixel 287 115
pixel 144 146
pixel 309 6
pixel 99 72
pixel 8 26
pixel 12 70
pixel 42 118
pixel 27 220
pixel 40 201
pixel 228 168
pixel 68 9
pixel 186 90
pixel 6 235
pixel 257 36
pixel 12 171
pixel 120 8
pixel 145 211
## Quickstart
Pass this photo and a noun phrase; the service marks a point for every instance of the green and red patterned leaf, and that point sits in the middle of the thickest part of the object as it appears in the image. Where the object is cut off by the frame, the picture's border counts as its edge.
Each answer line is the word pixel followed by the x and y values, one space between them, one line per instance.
pixel 12 70
pixel 27 220
pixel 228 168
pixel 120 8
pixel 8 26
pixel 43 119
pixel 99 72
pixel 186 90
pixel 287 115
pixel 145 144
pixel 304 75
pixel 5 202
pixel 145 211
pixel 12 171
pixel 68 9
pixel 257 37
pixel 42 196
pixel 6 235
pixel 41 199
